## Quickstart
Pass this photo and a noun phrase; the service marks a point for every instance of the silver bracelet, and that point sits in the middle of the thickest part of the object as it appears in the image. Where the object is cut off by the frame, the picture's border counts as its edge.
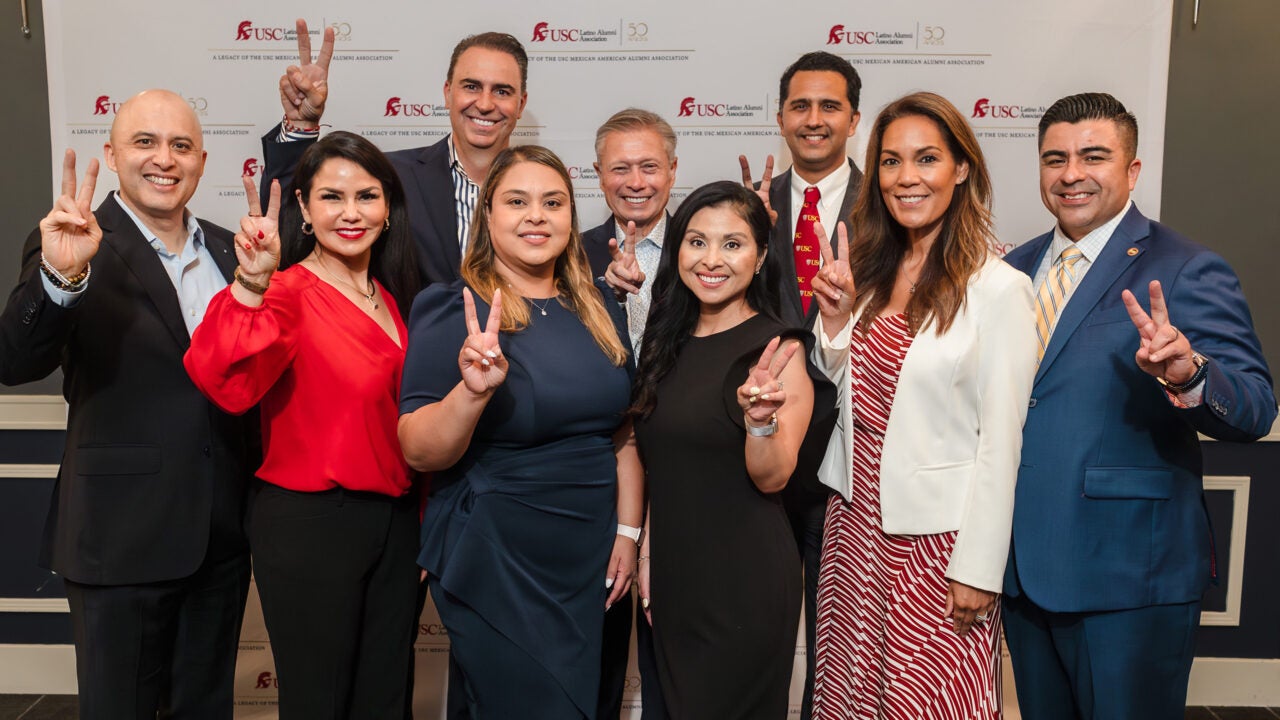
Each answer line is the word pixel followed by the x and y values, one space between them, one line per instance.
pixel 763 430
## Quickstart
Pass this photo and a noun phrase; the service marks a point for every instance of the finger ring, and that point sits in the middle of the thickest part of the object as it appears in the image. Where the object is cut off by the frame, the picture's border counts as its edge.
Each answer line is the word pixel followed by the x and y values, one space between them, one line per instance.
pixel 781 385
pixel 980 617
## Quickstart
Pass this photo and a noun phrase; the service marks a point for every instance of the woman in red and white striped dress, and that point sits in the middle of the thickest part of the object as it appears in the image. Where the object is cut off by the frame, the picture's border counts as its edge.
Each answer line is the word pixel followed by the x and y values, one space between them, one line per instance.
pixel 932 338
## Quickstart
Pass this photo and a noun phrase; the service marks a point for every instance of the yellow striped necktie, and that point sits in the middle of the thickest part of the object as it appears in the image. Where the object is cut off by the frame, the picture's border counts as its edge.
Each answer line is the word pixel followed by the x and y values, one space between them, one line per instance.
pixel 1053 294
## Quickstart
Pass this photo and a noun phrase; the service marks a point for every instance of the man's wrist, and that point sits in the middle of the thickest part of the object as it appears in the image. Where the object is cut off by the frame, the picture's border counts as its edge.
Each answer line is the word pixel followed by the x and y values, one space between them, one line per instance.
pixel 1202 369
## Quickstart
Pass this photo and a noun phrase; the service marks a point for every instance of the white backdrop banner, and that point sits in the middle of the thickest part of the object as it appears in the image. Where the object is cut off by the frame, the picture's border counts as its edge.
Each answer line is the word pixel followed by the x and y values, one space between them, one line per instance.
pixel 713 74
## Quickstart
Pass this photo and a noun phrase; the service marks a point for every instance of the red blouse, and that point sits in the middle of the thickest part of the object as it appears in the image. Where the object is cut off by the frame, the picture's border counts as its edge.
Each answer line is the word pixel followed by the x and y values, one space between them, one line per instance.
pixel 327 377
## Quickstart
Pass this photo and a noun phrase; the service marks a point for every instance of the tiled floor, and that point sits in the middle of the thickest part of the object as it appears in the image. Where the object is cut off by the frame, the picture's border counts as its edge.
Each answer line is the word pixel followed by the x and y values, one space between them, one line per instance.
pixel 65 707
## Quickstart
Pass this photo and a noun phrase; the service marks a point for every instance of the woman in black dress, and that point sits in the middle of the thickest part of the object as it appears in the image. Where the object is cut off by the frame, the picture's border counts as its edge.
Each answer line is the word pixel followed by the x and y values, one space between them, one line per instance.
pixel 722 403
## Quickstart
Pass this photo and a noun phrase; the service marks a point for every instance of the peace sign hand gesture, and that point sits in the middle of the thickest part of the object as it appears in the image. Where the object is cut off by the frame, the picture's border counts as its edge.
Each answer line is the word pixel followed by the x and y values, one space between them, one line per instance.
pixel 765 180
pixel 258 242
pixel 1163 351
pixel 624 274
pixel 481 361
pixel 69 234
pixel 763 392
pixel 833 285
pixel 304 88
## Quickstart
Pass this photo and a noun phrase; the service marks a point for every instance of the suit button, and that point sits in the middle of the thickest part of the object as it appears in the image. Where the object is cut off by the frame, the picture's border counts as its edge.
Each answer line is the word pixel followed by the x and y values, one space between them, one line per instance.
pixel 206 451
pixel 1031 402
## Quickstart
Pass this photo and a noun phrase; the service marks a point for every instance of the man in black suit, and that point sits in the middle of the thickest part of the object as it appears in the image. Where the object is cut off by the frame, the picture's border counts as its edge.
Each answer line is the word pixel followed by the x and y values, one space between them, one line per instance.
pixel 485 94
pixel 636 164
pixel 145 524
pixel 817 114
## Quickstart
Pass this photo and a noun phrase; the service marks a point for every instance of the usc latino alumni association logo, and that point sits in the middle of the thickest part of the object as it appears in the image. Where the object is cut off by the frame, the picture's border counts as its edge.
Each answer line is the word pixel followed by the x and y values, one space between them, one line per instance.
pixel 544 32
pixel 985 109
pixel 104 105
pixel 396 107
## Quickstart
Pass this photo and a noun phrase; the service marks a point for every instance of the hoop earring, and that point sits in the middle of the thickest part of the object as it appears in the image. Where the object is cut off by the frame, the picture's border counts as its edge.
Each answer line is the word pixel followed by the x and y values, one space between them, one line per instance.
pixel 306 228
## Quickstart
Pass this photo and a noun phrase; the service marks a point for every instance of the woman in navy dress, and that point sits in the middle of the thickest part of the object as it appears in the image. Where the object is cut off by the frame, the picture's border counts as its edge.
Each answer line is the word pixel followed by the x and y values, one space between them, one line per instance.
pixel 530 528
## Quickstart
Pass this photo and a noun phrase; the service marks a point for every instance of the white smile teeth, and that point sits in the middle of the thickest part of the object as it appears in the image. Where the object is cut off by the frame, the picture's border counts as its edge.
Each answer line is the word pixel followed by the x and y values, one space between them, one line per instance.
pixel 910 198
pixel 713 279
pixel 161 181
pixel 636 200
pixel 1076 196
pixel 484 123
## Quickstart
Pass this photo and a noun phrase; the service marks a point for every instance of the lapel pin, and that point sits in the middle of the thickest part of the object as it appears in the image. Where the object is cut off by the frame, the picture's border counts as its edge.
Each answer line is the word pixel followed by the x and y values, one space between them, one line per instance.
pixel 1133 251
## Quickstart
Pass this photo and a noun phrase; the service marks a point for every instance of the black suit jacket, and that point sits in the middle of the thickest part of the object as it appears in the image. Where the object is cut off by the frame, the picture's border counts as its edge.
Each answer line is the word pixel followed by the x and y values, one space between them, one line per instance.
pixel 428 188
pixel 153 476
pixel 780 241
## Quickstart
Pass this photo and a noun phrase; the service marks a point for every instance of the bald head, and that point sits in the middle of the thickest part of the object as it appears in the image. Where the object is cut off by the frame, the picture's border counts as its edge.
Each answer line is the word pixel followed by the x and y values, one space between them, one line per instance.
pixel 157 150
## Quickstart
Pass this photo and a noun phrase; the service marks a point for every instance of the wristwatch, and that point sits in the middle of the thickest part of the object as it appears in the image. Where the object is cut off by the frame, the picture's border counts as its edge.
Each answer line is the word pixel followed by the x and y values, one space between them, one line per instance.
pixel 1202 368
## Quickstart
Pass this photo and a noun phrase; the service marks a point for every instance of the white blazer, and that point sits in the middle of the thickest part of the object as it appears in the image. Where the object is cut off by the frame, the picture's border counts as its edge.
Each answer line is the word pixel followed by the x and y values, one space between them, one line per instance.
pixel 952 446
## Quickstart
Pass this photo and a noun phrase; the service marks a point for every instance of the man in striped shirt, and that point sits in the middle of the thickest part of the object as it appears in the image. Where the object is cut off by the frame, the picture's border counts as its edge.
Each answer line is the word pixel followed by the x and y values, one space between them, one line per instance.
pixel 484 91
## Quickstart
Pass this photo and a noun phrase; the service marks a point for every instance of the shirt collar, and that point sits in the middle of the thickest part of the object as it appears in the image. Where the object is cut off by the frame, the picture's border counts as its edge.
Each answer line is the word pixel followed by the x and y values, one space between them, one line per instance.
pixel 1091 244
pixel 195 234
pixel 655 235
pixel 835 180
pixel 455 164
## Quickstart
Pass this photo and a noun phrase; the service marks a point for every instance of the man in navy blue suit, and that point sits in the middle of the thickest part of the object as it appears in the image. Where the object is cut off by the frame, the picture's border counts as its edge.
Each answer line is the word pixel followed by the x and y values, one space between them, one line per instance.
pixel 1146 341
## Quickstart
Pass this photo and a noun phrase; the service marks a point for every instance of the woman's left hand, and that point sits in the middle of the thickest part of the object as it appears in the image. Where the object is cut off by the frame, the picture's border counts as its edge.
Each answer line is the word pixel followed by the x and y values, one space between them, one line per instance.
pixel 968 606
pixel 622 568
pixel 763 392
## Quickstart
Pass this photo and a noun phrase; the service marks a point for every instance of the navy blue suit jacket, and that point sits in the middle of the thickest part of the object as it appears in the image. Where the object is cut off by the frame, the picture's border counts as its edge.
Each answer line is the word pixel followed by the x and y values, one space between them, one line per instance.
pixel 428 189
pixel 1109 511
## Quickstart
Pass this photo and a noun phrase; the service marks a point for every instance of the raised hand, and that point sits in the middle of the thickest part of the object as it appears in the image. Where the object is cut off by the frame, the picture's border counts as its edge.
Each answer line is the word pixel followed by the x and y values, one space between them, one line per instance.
pixel 258 242
pixel 833 284
pixel 765 180
pixel 481 361
pixel 624 274
pixel 1163 351
pixel 69 234
pixel 763 392
pixel 304 88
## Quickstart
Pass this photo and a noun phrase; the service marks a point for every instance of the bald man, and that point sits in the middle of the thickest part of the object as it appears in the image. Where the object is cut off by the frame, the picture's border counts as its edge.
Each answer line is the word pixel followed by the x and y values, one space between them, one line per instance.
pixel 145 522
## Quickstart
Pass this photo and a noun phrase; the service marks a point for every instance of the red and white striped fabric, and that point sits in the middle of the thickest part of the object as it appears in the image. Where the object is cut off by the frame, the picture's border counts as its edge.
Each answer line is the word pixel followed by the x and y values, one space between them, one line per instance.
pixel 884 648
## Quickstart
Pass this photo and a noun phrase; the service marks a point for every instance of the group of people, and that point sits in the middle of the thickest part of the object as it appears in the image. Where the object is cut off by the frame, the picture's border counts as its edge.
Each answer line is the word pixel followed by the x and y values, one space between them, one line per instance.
pixel 410 373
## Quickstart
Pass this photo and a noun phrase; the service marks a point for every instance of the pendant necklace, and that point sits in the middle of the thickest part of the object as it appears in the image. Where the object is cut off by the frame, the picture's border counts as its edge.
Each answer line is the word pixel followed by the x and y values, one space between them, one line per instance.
pixel 543 307
pixel 373 289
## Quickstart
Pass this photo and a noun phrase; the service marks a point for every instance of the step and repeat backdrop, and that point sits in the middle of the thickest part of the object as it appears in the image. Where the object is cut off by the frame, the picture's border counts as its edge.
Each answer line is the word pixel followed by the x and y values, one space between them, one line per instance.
pixel 712 74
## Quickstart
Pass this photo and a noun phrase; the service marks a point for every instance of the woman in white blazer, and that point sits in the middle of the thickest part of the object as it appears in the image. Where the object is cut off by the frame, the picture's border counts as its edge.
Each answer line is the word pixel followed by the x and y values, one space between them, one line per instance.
pixel 931 340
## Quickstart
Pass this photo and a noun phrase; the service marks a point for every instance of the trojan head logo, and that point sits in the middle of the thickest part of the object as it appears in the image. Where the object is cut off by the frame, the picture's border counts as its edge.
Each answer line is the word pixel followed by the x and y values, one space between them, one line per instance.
pixel 266 681
pixel 393 107
pixel 246 31
pixel 835 35
pixel 686 107
pixel 251 168
pixel 981 108
pixel 242 32
pixel 540 32
pixel 104 106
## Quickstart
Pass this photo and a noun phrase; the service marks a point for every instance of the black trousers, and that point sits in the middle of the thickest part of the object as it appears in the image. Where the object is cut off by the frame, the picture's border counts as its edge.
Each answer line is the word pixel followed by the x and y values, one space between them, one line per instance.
pixel 160 650
pixel 613 665
pixel 807 511
pixel 338 577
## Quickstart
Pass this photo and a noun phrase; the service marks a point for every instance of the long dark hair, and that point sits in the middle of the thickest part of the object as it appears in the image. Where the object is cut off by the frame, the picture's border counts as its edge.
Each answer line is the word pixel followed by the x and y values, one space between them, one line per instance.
pixel 673 312
pixel 879 243
pixel 392 261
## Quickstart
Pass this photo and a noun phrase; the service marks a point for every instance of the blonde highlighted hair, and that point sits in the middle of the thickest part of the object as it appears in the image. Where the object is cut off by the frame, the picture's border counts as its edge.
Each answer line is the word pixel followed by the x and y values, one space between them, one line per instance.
pixel 573 281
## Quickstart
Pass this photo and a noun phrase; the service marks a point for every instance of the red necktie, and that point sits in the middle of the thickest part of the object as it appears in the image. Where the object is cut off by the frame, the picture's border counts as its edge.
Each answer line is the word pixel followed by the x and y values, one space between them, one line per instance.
pixel 805 245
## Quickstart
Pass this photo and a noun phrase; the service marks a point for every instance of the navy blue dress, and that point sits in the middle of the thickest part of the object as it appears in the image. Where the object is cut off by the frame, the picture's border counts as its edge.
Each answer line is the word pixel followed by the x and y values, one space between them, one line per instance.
pixel 517 535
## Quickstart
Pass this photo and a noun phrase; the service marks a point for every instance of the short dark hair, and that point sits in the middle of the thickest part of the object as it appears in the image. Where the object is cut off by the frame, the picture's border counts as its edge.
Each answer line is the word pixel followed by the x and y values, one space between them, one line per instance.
pixel 823 61
pixel 1093 106
pixel 502 42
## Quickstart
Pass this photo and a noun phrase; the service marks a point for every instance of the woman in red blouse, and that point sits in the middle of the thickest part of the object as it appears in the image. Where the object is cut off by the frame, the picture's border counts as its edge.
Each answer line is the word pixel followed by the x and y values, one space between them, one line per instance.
pixel 313 332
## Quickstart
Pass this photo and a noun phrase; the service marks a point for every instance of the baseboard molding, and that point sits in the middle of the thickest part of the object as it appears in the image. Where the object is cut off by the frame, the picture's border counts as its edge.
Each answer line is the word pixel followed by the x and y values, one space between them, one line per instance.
pixel 33 412
pixel 37 670
pixel 1234 682
pixel 1219 682
pixel 34 605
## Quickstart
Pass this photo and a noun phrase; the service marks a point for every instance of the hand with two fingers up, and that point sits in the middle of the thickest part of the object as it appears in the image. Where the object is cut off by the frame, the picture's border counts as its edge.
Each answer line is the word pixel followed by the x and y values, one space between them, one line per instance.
pixel 481 361
pixel 1163 351
pixel 69 234
pixel 257 245
pixel 764 393
pixel 304 88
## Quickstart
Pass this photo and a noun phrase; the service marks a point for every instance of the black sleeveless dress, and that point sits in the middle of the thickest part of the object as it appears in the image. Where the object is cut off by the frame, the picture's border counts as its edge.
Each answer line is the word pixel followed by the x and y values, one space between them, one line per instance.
pixel 725 577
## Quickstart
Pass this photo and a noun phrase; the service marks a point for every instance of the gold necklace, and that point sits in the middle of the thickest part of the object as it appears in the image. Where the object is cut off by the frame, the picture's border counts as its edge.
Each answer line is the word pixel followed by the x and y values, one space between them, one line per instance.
pixel 373 289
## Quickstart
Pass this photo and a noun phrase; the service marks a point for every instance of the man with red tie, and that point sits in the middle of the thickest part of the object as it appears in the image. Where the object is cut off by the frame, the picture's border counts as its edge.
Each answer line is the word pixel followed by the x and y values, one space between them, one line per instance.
pixel 817 114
